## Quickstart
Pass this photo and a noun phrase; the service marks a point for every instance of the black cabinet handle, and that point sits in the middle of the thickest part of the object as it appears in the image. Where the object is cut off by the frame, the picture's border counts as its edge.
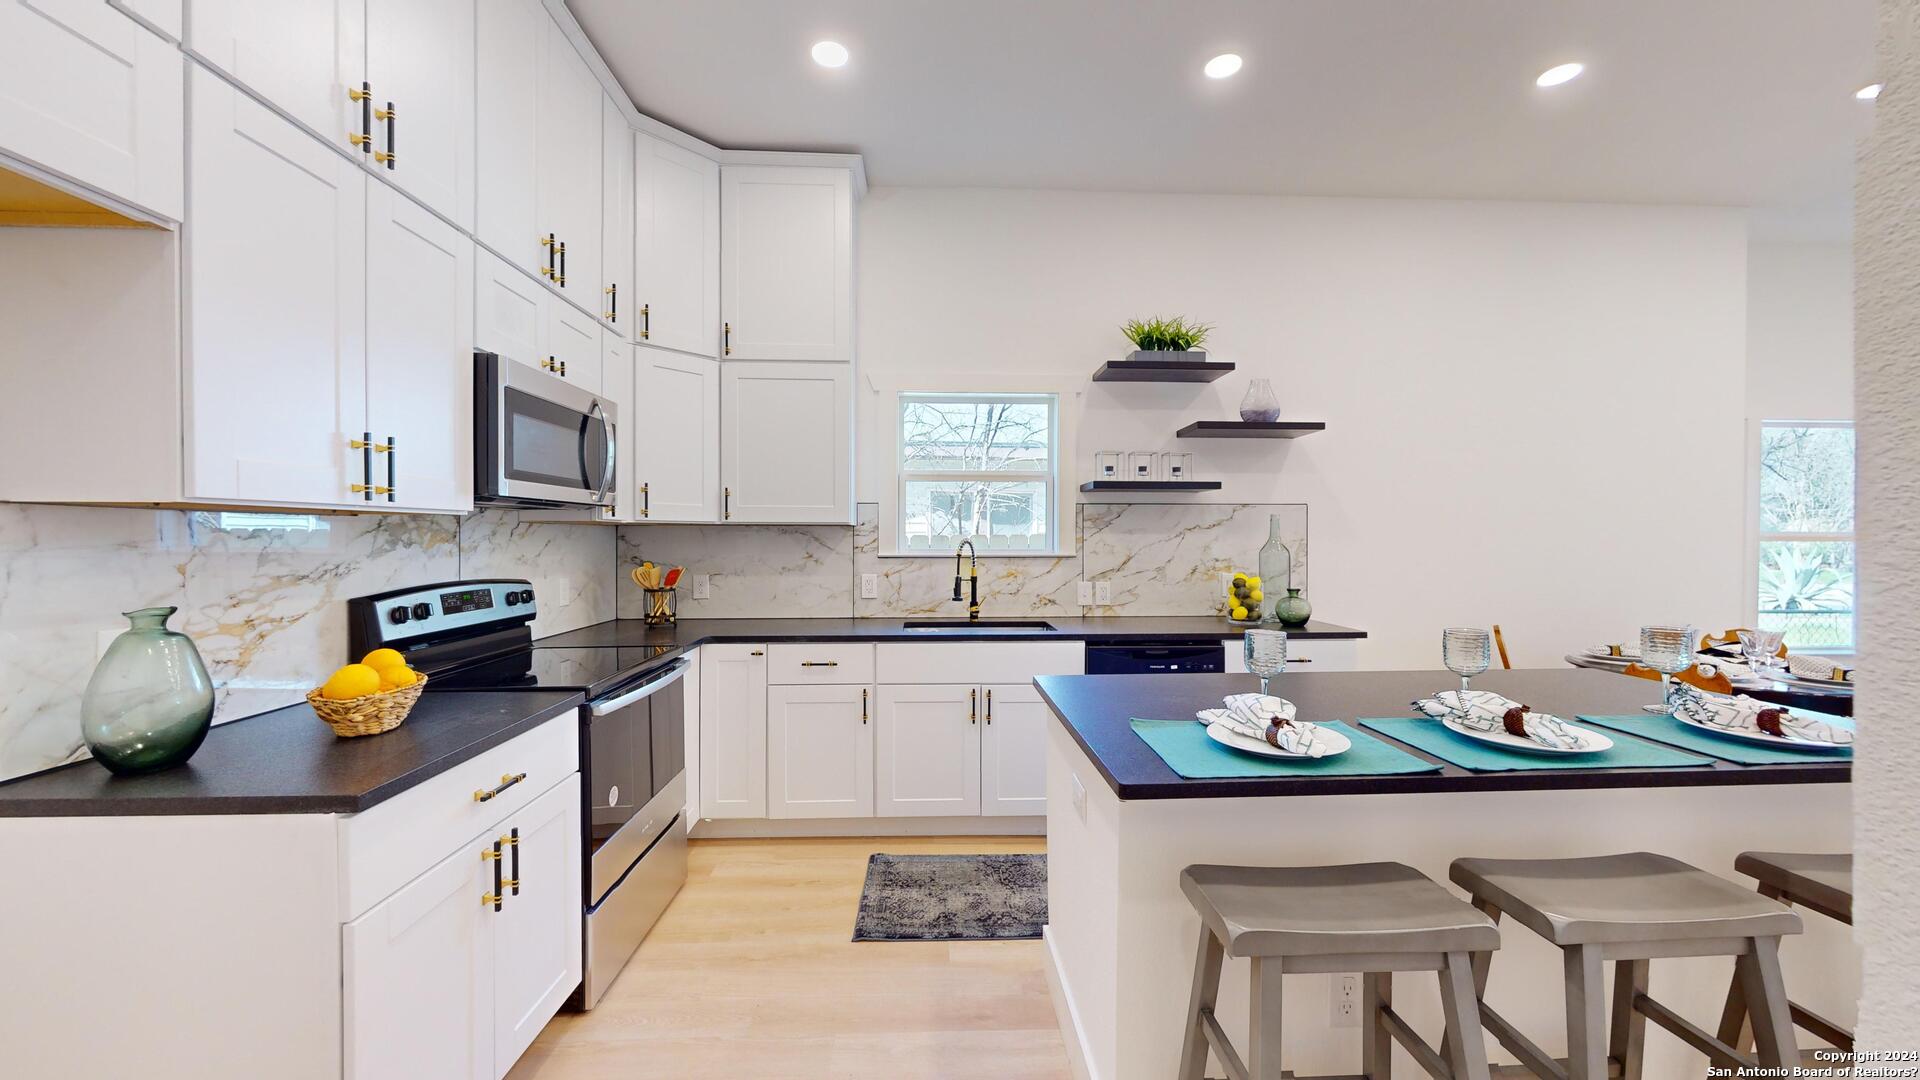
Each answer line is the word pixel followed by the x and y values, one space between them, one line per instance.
pixel 365 446
pixel 388 116
pixel 499 888
pixel 562 279
pixel 513 841
pixel 613 303
pixel 506 782
pixel 646 501
pixel 863 705
pixel 989 707
pixel 393 455
pixel 646 321
pixel 726 504
pixel 726 338
pixel 553 254
pixel 364 137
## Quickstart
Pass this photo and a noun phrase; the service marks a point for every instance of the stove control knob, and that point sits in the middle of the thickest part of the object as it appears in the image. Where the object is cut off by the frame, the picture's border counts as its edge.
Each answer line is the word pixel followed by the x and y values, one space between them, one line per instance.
pixel 398 615
pixel 423 611
pixel 526 596
pixel 513 598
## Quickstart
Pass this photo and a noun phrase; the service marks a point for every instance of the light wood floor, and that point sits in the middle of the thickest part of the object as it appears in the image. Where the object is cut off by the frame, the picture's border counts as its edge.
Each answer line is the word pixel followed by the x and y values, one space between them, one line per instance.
pixel 751 973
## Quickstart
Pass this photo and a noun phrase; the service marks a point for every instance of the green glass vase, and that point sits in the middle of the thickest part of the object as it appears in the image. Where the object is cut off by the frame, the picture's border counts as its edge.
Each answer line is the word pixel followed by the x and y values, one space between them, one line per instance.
pixel 150 701
pixel 1292 609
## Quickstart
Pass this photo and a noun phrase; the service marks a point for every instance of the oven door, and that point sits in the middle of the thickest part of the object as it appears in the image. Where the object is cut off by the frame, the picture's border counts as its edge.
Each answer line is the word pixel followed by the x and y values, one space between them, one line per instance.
pixel 620 776
pixel 540 440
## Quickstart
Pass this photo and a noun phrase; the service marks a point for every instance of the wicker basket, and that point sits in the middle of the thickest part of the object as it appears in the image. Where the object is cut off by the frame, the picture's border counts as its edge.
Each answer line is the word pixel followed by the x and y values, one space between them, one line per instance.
pixel 367 715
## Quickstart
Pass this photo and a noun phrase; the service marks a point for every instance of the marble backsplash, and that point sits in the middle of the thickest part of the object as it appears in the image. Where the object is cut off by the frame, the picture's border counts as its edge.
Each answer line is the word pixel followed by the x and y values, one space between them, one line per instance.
pixel 1162 558
pixel 262 595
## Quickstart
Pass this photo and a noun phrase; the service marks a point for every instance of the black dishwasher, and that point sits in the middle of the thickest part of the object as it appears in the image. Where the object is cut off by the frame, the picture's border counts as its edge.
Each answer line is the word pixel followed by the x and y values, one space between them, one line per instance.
pixel 1157 657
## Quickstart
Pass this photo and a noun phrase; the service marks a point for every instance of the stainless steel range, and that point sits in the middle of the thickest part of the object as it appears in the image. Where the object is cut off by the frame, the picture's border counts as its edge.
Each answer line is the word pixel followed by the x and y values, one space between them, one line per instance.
pixel 477 635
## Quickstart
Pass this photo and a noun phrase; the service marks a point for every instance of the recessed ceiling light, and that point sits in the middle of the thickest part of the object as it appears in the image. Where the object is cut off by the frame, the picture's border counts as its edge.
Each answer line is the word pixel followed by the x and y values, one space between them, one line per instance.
pixel 829 54
pixel 1222 66
pixel 1554 76
pixel 1868 92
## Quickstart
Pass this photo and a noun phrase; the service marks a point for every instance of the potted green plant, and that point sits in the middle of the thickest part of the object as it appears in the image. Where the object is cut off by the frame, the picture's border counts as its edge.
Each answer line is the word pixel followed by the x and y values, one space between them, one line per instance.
pixel 1174 339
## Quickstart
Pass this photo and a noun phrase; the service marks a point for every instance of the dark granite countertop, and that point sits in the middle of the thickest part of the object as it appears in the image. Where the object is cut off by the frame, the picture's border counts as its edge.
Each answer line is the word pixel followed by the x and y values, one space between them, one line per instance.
pixel 1119 629
pixel 288 762
pixel 1096 709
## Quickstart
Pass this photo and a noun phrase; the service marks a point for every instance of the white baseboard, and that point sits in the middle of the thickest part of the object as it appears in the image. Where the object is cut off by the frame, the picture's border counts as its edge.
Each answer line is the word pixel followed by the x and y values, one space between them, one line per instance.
pixel 725 828
pixel 1078 1059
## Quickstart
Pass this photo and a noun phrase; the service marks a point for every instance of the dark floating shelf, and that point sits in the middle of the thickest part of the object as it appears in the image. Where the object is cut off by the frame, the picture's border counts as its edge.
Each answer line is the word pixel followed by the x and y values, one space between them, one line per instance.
pixel 1169 371
pixel 1250 429
pixel 1151 485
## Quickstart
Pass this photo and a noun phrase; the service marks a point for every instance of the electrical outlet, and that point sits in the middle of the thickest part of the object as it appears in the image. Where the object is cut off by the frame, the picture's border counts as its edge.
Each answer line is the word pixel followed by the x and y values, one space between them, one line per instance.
pixel 1345 1004
pixel 702 586
pixel 1103 592
pixel 1079 798
pixel 869 586
pixel 1086 594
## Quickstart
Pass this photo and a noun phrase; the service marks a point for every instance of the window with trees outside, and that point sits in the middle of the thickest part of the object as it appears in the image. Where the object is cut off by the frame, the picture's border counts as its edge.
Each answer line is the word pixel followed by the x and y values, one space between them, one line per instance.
pixel 980 467
pixel 1806 534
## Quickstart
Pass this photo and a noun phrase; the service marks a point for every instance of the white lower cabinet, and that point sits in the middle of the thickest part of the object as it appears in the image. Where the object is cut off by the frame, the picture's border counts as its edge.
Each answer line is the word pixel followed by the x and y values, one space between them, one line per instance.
pixel 928 741
pixel 451 977
pixel 1303 654
pixel 819 751
pixel 1013 750
pixel 733 731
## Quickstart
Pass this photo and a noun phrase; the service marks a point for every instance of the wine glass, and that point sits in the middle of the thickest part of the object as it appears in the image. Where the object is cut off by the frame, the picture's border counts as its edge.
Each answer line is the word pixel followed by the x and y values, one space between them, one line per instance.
pixel 1669 651
pixel 1467 652
pixel 1761 648
pixel 1266 654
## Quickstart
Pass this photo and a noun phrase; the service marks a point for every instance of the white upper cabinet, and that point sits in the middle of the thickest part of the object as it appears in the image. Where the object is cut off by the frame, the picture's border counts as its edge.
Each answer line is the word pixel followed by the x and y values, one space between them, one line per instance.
pixel 572 347
pixel 616 219
pixel 676 453
pixel 420 64
pixel 786 438
pixel 276 304
pixel 567 151
pixel 510 311
pixel 676 247
pixel 616 389
pixel 88 94
pixel 786 263
pixel 305 56
pixel 419 354
pixel 510 36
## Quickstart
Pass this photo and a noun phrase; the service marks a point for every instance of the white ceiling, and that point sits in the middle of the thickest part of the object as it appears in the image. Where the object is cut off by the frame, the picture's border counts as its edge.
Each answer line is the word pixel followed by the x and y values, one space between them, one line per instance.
pixel 1728 102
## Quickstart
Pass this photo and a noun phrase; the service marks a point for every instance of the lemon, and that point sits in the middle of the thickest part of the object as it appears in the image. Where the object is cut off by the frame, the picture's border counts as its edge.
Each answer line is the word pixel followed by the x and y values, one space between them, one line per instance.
pixel 398 678
pixel 352 681
pixel 1253 581
pixel 1256 595
pixel 382 659
pixel 1239 613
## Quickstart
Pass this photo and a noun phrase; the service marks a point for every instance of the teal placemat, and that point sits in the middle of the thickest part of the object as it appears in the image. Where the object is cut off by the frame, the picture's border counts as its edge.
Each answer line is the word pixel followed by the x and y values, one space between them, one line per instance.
pixel 1665 729
pixel 1184 746
pixel 1467 753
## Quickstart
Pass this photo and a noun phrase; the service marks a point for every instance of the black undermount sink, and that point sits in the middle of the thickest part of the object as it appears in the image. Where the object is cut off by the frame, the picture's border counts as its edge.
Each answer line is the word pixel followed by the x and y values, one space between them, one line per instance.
pixel 978 624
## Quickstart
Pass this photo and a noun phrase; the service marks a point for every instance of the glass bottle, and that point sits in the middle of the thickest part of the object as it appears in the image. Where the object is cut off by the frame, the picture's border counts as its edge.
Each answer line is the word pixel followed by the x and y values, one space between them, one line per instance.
pixel 1276 568
pixel 150 701
pixel 1260 404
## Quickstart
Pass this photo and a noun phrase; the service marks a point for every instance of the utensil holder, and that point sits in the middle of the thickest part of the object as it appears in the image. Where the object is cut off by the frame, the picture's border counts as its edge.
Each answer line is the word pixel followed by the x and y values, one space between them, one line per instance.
pixel 659 606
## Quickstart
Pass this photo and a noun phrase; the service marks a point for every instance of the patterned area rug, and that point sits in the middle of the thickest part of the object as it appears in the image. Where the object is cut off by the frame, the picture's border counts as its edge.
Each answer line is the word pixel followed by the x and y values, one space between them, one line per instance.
pixel 953 898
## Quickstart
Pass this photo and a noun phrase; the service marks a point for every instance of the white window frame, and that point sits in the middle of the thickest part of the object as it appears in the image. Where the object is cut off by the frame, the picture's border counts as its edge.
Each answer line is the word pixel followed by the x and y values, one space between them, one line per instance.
pixel 892 521
pixel 1756 429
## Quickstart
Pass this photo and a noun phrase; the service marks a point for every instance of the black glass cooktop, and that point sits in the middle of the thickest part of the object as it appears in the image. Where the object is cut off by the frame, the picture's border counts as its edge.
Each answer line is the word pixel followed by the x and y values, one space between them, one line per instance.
pixel 593 671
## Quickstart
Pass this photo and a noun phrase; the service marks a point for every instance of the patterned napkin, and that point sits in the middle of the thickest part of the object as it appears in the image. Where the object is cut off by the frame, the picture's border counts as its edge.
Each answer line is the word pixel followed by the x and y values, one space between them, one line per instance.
pixel 1484 710
pixel 1818 667
pixel 1743 713
pixel 1269 719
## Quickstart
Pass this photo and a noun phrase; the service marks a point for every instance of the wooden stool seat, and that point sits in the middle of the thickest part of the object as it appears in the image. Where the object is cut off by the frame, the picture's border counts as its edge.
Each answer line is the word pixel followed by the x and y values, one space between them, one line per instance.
pixel 1316 910
pixel 1822 883
pixel 1633 897
pixel 1373 918
pixel 1631 909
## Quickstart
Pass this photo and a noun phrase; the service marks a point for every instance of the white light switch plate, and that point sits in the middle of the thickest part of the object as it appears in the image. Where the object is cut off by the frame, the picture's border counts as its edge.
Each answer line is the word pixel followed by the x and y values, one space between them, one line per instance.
pixel 1103 592
pixel 1086 594
pixel 869 586
pixel 702 587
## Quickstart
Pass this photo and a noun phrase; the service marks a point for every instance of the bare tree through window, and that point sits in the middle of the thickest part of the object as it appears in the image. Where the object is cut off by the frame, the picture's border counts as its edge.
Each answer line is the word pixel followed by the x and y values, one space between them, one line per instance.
pixel 979 467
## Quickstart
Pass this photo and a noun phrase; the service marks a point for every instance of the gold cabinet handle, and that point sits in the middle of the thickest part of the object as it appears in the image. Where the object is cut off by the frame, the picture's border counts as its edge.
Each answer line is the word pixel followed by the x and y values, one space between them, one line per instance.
pixel 499 889
pixel 756 652
pixel 726 503
pixel 726 330
pixel 387 113
pixel 973 706
pixel 646 321
pixel 989 706
pixel 819 663
pixel 863 704
pixel 507 780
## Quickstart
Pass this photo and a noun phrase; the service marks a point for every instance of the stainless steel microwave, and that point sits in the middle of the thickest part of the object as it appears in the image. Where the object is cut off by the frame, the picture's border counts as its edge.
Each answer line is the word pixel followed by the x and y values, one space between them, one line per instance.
pixel 539 439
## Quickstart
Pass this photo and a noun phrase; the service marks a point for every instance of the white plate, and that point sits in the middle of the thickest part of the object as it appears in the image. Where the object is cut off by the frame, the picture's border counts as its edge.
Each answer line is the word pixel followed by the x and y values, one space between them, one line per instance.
pixel 1595 742
pixel 1762 738
pixel 1335 742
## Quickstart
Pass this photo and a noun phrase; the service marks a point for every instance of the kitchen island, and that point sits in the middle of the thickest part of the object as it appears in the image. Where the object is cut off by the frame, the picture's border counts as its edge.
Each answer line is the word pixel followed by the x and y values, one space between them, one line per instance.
pixel 1121 824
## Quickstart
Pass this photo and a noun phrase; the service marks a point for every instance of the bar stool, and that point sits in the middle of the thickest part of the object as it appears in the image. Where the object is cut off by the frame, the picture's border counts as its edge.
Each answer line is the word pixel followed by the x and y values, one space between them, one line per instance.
pixel 1373 918
pixel 1631 909
pixel 1822 883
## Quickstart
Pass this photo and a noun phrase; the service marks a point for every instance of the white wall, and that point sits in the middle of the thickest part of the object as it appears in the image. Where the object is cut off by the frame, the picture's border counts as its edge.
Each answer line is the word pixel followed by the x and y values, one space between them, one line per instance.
pixel 1532 408
pixel 1799 331
pixel 1887 369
